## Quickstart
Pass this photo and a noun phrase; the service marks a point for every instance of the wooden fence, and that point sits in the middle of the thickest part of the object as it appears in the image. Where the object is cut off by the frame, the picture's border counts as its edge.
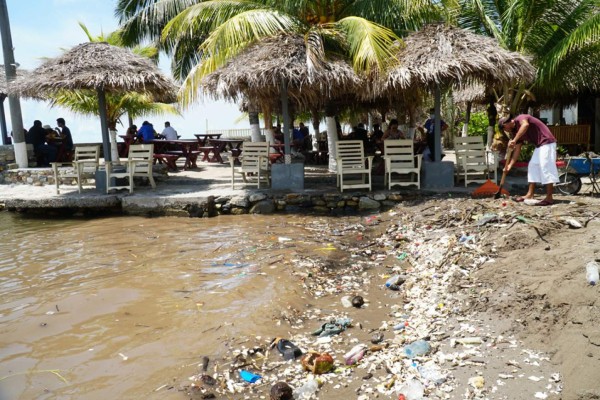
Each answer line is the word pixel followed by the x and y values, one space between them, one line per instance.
pixel 571 135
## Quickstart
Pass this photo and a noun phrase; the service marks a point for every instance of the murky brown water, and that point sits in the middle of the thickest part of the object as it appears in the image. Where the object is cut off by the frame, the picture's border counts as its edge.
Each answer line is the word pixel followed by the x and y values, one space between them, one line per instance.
pixel 113 308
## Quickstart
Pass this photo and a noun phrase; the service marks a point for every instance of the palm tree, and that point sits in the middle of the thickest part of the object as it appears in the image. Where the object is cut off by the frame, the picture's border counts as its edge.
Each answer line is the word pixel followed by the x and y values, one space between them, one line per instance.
pixel 562 37
pixel 204 35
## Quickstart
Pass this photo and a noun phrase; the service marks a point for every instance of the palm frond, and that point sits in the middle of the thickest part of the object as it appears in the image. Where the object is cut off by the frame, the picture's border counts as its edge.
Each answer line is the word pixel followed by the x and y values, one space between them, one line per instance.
pixel 237 32
pixel 143 20
pixel 202 18
pixel 370 45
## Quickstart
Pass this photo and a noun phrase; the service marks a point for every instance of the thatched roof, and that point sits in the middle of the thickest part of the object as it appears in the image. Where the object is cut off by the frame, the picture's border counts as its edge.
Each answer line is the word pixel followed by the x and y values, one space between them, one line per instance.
pixel 443 55
pixel 474 93
pixel 4 83
pixel 98 66
pixel 258 71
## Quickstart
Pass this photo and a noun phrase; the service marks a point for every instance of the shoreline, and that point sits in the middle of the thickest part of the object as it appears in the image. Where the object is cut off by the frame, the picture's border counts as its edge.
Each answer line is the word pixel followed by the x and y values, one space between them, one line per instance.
pixel 449 299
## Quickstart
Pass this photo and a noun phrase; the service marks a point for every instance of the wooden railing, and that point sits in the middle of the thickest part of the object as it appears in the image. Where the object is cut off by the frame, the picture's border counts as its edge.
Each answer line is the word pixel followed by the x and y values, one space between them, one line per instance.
pixel 572 135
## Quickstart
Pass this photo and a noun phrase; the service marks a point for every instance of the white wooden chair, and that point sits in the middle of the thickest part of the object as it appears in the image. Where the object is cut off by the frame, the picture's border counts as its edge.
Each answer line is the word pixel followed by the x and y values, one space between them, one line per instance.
pixel 472 160
pixel 400 161
pixel 351 162
pixel 139 163
pixel 85 163
pixel 254 164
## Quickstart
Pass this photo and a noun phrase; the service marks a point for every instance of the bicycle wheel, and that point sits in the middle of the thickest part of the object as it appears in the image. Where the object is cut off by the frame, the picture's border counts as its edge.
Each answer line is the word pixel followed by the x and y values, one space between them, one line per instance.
pixel 569 184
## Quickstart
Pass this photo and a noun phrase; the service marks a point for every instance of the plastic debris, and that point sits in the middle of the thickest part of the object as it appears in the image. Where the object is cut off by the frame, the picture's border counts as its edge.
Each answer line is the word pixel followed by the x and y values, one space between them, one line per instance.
pixel 249 376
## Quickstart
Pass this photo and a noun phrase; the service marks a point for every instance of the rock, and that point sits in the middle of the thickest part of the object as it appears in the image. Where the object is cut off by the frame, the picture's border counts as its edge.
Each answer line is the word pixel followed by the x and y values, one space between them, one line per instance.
pixel 281 391
pixel 379 196
pixel 240 201
pixel 358 301
pixel 254 197
pixel 366 203
pixel 263 207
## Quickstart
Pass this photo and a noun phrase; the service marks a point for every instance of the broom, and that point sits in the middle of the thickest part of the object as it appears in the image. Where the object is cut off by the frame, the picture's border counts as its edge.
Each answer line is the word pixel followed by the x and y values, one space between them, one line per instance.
pixel 489 188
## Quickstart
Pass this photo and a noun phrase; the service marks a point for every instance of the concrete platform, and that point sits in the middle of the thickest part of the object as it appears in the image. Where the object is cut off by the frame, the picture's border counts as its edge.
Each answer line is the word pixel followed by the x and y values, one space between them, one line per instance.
pixel 211 183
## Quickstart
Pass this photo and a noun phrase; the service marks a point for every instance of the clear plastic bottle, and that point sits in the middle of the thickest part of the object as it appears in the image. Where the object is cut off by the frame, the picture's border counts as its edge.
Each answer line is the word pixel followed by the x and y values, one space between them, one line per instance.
pixel 591 272
pixel 417 348
pixel 412 390
pixel 305 391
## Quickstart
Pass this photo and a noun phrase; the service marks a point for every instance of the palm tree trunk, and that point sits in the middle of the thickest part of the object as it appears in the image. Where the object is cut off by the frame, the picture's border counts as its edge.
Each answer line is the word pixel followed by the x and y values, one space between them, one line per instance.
pixel 332 136
pixel 269 136
pixel 465 129
pixel 254 123
pixel 315 123
pixel 492 114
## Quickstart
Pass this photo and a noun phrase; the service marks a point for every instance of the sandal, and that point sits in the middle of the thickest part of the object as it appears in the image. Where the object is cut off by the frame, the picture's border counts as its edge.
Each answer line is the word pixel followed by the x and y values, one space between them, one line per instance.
pixel 543 203
pixel 288 350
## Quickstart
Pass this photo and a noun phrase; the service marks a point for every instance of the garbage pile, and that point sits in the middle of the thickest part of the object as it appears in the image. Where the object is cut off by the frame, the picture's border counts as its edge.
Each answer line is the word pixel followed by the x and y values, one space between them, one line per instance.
pixel 417 273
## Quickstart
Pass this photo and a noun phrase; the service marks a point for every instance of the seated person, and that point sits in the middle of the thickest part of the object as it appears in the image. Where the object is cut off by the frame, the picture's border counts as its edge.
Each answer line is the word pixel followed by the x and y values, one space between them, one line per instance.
pixel 146 132
pixel 299 137
pixel 131 131
pixel 393 132
pixel 277 134
pixel 65 134
pixel 169 133
pixel 429 130
pixel 377 133
pixel 36 136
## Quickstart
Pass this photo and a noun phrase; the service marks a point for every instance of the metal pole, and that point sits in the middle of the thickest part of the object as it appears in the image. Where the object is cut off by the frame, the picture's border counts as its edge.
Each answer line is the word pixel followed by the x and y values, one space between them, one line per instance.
pixel 13 101
pixel 104 124
pixel 3 120
pixel 286 121
pixel 437 156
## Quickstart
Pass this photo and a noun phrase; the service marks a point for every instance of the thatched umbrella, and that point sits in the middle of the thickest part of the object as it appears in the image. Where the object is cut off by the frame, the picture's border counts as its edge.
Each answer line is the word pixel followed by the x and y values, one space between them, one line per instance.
pixel 103 68
pixel 264 68
pixel 438 56
pixel 4 91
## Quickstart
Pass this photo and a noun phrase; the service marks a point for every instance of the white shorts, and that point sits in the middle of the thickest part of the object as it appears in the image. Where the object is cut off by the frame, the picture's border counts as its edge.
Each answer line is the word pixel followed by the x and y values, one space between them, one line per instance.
pixel 542 167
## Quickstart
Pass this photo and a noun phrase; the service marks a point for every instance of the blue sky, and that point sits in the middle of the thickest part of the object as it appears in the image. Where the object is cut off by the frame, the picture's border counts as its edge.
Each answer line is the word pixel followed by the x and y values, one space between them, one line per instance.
pixel 43 28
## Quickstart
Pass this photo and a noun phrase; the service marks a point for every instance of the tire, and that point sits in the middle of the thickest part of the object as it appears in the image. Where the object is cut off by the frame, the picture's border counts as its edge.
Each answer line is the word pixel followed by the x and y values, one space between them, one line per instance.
pixel 569 184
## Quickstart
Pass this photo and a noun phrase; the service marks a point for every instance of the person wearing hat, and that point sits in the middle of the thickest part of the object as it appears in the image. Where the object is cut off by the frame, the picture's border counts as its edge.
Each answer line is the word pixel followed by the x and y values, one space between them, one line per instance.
pixel 542 166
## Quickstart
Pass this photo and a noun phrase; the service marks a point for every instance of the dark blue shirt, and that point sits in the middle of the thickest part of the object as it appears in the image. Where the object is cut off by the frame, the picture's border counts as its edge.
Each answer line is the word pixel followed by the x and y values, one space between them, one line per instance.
pixel 146 132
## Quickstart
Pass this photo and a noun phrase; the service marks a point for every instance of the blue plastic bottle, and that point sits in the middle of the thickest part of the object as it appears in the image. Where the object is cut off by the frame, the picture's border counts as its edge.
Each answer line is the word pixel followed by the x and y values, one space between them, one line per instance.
pixel 417 349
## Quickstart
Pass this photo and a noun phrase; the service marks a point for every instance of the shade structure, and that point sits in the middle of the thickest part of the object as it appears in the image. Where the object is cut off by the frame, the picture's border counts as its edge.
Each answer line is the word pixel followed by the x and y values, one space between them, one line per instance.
pixel 257 73
pixel 100 67
pixel 278 64
pixel 439 55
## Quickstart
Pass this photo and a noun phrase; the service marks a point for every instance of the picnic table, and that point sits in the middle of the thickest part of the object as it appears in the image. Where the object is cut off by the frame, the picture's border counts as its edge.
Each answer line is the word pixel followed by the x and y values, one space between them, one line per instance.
pixel 169 151
pixel 218 146
pixel 203 138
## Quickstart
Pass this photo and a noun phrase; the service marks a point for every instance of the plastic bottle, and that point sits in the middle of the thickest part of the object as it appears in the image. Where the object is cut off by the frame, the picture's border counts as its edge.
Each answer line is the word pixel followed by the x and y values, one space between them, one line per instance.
pixel 308 389
pixel 394 282
pixel 591 272
pixel 432 373
pixel 416 349
pixel 412 390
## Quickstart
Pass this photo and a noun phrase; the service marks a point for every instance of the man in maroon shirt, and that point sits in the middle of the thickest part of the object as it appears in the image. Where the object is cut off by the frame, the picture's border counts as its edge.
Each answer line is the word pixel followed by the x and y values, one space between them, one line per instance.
pixel 542 166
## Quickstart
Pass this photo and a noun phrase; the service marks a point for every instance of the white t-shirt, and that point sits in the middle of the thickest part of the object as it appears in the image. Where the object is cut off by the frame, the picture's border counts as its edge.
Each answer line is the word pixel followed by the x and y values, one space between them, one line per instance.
pixel 169 133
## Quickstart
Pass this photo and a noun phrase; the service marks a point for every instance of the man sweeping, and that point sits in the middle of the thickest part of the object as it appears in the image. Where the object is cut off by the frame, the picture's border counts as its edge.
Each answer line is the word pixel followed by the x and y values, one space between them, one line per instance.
pixel 542 166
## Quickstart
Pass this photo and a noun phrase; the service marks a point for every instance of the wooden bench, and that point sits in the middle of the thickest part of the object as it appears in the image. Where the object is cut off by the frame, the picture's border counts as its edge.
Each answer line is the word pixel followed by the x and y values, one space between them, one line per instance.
pixel 572 135
pixel 206 150
pixel 170 160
